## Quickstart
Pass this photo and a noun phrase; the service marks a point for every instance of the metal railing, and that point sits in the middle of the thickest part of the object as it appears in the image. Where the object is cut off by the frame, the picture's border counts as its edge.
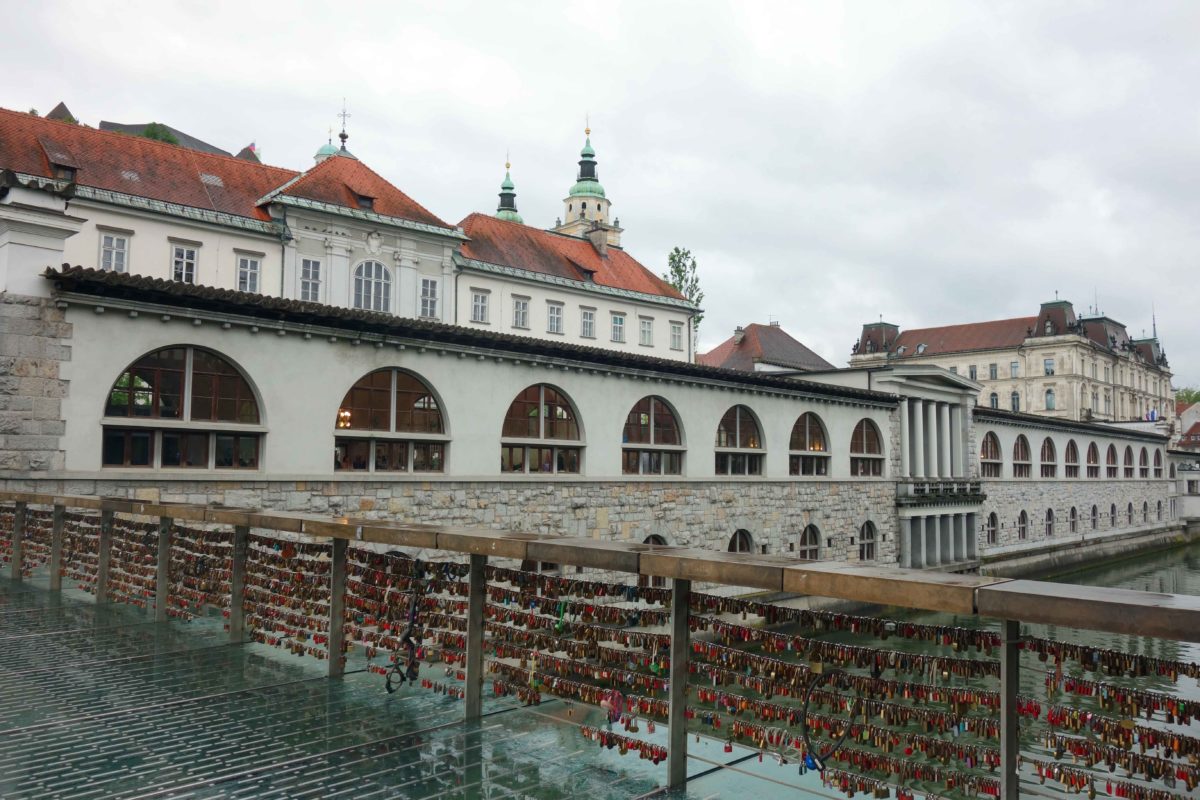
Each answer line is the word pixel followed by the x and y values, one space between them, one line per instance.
pixel 1010 601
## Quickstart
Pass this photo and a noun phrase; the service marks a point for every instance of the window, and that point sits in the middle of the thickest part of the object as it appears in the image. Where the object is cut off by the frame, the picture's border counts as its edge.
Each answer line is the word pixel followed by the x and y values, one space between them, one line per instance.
pixel 389 421
pixel 1158 472
pixel 429 298
pixel 310 280
pixel 993 372
pixel 1073 520
pixel 1095 518
pixel 587 323
pixel 554 318
pixel 373 287
pixel 1128 462
pixel 1110 459
pixel 741 542
pixel 994 400
pixel 990 463
pixel 1014 369
pixel 1143 464
pixel 810 543
pixel 249 269
pixel 651 425
pixel 1072 460
pixel 1022 526
pixel 183 263
pixel 1159 511
pixel 645 332
pixel 540 413
pixel 866 450
pixel 972 373
pixel 1145 511
pixel 653 581
pixel 1022 466
pixel 992 528
pixel 479 306
pixel 809 447
pixel 1048 458
pixel 173 392
pixel 114 251
pixel 866 542
pixel 521 312
pixel 954 370
pixel 1049 399
pixel 739 443
pixel 1093 461
pixel 1048 365
pixel 1015 400
pixel 676 335
pixel 1049 522
pixel 618 327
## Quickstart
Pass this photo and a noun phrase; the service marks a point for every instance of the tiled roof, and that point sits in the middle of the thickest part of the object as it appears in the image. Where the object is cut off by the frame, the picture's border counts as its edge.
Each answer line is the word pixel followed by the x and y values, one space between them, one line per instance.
pixel 185 140
pixel 512 244
pixel 997 334
pixel 117 285
pixel 1181 407
pixel 1039 421
pixel 768 344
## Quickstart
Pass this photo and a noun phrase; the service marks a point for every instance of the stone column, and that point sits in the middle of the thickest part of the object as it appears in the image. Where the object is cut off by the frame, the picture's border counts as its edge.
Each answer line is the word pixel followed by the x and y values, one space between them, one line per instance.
pixel 916 541
pixel 932 541
pixel 905 441
pixel 918 439
pixel 957 459
pixel 931 437
pixel 944 467
pixel 945 536
pixel 972 536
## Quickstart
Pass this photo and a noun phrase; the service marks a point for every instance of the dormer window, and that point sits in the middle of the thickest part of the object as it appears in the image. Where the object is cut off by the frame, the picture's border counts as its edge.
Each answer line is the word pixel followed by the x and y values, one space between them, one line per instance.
pixel 366 203
pixel 64 173
pixel 1049 327
pixel 921 348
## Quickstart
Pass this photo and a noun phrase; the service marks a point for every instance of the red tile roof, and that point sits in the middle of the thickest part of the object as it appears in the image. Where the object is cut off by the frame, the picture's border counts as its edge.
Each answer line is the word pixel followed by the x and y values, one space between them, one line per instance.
pixel 994 335
pixel 340 181
pixel 1181 407
pixel 767 344
pixel 512 244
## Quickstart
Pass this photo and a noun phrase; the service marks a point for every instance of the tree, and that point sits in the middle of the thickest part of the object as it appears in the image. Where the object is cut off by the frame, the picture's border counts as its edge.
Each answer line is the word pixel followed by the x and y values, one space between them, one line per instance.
pixel 159 132
pixel 1188 394
pixel 681 273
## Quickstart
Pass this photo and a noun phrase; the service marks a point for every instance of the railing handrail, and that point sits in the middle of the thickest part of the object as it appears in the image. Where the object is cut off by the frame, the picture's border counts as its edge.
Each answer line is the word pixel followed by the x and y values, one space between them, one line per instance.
pixel 1120 611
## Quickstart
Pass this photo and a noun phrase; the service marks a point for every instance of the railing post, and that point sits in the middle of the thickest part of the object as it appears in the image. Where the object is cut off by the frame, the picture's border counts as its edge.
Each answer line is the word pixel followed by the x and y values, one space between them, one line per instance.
pixel 58 525
pixel 337 608
pixel 476 598
pixel 1010 679
pixel 237 583
pixel 103 555
pixel 162 580
pixel 676 712
pixel 18 539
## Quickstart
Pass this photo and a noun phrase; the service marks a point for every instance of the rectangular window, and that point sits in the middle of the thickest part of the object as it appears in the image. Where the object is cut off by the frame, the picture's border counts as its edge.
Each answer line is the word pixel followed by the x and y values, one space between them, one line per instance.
pixel 972 373
pixel 676 335
pixel 554 318
pixel 184 449
pixel 183 263
pixel 587 323
pixel 618 327
pixel 646 332
pixel 993 371
pixel 429 298
pixel 954 370
pixel 128 447
pixel 236 451
pixel 1048 365
pixel 479 306
pixel 520 312
pixel 310 280
pixel 248 274
pixel 1014 369
pixel 114 252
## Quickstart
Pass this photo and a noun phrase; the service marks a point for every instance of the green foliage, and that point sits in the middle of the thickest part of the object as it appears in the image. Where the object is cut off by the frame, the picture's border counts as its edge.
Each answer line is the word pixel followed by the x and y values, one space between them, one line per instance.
pixel 682 274
pixel 159 132
pixel 33 112
pixel 1188 394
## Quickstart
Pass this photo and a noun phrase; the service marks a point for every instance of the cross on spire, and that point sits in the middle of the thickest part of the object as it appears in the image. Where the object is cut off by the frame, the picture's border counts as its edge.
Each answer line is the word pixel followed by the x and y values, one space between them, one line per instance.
pixel 344 115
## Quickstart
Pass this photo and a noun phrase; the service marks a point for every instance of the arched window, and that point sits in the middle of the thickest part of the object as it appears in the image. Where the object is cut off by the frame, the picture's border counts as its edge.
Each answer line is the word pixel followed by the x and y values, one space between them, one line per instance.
pixel 1095 518
pixel 653 430
pixel 866 542
pixel 990 463
pixel 1110 461
pixel 992 528
pixel 994 400
pixel 1158 511
pixel 1158 463
pixel 1071 466
pixel 1112 516
pixel 1049 462
pixel 810 543
pixel 1049 399
pixel 538 418
pixel 1145 511
pixel 1015 401
pixel 1049 521
pixel 178 392
pixel 390 421
pixel 1022 525
pixel 739 443
pixel 1093 461
pixel 1074 520
pixel 653 581
pixel 1144 464
pixel 809 447
pixel 372 287
pixel 741 542
pixel 1129 513
pixel 1128 461
pixel 866 450
pixel 1022 465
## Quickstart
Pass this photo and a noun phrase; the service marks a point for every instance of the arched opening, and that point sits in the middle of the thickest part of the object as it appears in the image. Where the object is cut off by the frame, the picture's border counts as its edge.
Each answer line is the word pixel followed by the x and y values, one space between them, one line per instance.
pixel 1015 401
pixel 994 400
pixel 866 542
pixel 1048 460
pixel 739 443
pixel 1129 514
pixel 1073 520
pixel 1022 526
pixel 990 460
pixel 809 446
pixel 1071 460
pixel 1145 511
pixel 390 421
pixel 1110 462
pixel 652 438
pixel 1128 461
pixel 1143 464
pixel 992 528
pixel 741 542
pixel 1095 518
pixel 866 450
pixel 1158 461
pixel 372 287
pixel 1158 511
pixel 1049 522
pixel 1050 400
pixel 1093 461
pixel 1022 463
pixel 1112 516
pixel 810 543
pixel 538 419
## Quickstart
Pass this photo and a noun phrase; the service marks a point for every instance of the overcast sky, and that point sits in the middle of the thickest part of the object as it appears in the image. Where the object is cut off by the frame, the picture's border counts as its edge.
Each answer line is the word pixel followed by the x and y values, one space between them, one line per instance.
pixel 932 163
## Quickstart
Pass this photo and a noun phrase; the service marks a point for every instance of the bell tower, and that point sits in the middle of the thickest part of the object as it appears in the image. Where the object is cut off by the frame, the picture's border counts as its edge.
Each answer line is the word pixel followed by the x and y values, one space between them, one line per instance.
pixel 586 208
pixel 507 209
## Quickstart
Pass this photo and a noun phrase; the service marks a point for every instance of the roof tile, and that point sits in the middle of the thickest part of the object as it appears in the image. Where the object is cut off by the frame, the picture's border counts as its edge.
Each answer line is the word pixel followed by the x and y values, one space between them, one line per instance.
pixel 340 181
pixel 768 344
pixel 997 334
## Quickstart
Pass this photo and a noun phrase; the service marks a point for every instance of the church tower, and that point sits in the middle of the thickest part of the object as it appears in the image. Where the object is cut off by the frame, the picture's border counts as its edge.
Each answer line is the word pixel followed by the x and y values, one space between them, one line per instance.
pixel 507 210
pixel 586 209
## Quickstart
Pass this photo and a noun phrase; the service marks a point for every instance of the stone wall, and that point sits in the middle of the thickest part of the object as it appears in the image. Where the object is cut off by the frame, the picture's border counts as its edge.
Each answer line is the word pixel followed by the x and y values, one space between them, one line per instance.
pixel 693 513
pixel 34 342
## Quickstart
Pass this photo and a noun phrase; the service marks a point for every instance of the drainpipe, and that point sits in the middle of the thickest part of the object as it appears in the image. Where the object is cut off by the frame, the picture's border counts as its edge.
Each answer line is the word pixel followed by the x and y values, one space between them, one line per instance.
pixel 284 238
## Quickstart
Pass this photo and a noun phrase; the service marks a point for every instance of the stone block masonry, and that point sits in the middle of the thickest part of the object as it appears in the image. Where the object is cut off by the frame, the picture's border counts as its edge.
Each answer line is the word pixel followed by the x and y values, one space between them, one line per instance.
pixel 34 342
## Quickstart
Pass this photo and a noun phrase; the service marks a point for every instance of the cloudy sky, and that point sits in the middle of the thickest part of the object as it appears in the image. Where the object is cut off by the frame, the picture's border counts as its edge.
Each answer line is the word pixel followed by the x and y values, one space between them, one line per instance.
pixel 932 163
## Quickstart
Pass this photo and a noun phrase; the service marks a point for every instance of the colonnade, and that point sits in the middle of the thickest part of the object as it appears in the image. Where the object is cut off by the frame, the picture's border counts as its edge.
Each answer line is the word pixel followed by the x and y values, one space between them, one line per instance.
pixel 936 539
pixel 932 439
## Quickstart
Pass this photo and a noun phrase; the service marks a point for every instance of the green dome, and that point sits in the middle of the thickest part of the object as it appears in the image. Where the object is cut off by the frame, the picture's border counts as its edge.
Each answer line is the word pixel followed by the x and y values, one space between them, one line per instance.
pixel 510 215
pixel 507 185
pixel 327 149
pixel 587 151
pixel 587 188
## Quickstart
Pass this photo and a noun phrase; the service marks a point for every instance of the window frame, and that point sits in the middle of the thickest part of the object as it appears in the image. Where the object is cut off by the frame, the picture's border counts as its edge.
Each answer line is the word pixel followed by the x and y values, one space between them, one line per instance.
pixel 108 252
pixel 645 331
pixel 863 462
pixel 751 457
pixel 677 336
pixel 433 439
pixel 430 298
pixel 809 462
pixel 991 457
pixel 249 272
pixel 806 549
pixel 520 306
pixel 371 292
pixel 481 306
pixel 184 267
pixel 564 452
pixel 617 325
pixel 310 280
pixel 1022 467
pixel 647 453
pixel 555 317
pixel 1071 460
pixel 587 322
pixel 868 542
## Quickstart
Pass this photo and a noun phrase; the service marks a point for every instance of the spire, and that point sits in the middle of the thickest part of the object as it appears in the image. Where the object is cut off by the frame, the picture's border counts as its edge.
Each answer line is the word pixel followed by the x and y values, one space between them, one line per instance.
pixel 326 150
pixel 343 135
pixel 507 210
pixel 587 181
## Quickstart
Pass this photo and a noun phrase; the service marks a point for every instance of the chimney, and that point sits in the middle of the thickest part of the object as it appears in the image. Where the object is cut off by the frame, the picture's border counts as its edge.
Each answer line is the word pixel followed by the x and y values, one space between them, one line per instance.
pixel 738 333
pixel 774 323
pixel 599 239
